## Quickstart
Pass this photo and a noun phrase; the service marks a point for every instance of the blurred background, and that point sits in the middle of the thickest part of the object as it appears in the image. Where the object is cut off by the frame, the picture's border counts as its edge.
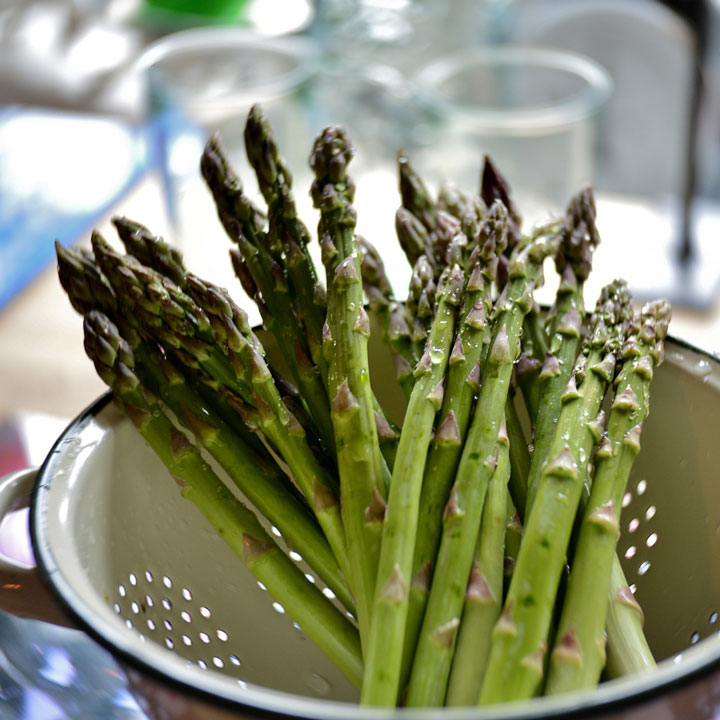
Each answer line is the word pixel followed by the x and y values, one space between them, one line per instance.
pixel 105 106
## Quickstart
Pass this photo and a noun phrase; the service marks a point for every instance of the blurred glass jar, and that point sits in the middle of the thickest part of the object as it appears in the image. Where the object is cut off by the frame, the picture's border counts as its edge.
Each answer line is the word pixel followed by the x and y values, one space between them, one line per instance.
pixel 533 111
pixel 203 81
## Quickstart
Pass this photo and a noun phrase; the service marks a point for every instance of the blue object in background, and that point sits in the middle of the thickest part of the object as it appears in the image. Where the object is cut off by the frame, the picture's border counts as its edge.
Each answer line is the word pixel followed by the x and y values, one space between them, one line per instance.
pixel 60 172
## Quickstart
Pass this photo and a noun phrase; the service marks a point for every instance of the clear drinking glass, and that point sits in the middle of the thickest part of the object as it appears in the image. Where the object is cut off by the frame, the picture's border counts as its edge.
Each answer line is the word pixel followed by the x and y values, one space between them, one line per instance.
pixel 533 111
pixel 203 81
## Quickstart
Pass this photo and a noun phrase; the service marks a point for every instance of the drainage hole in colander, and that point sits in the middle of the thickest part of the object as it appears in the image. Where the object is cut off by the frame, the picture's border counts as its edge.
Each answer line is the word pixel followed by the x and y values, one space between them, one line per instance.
pixel 652 538
pixel 167 604
pixel 278 608
pixel 644 567
pixel 630 552
pixel 713 618
pixel 694 638
pixel 297 557
pixel 187 595
pixel 650 512
pixel 627 499
pixel 641 487
pixel 633 525
pixel 167 582
pixel 205 612
pixel 185 615
pixel 187 640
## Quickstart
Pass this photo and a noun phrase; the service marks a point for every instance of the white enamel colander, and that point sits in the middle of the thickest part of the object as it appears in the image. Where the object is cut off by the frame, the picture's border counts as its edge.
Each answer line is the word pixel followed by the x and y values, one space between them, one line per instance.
pixel 133 564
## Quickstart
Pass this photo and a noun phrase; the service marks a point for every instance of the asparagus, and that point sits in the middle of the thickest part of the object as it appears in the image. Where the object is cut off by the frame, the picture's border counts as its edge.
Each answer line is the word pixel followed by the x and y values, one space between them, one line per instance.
pixel 579 654
pixel 394 316
pixel 384 650
pixel 413 193
pixel 463 377
pixel 324 624
pixel 516 665
pixel 287 230
pixel 227 353
pixel 263 257
pixel 483 597
pixel 573 263
pixel 360 463
pixel 150 249
pixel 461 520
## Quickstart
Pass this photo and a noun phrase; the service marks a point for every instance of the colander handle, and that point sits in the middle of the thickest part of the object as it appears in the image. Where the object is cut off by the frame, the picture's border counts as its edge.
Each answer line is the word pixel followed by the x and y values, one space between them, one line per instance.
pixel 22 591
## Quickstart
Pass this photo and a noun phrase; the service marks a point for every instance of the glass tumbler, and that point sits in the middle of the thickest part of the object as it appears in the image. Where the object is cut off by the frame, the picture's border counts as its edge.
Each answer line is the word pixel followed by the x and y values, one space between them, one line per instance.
pixel 203 81
pixel 533 111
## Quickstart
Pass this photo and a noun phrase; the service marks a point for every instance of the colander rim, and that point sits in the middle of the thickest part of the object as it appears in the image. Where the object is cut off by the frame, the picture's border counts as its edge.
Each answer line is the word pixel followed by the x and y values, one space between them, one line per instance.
pixel 699 661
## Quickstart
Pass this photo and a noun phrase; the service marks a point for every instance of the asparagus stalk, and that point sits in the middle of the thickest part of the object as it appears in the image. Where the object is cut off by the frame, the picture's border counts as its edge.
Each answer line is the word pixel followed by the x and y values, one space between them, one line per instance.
pixel 263 260
pixel 519 644
pixel 360 463
pixel 484 594
pixel 287 230
pixel 229 356
pixel 573 262
pixel 463 379
pixel 394 316
pixel 324 624
pixel 431 667
pixel 579 653
pixel 381 683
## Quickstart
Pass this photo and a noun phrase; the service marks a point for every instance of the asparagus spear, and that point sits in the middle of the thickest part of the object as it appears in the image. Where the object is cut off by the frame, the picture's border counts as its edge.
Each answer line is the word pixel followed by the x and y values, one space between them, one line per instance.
pixel 579 654
pixel 324 624
pixel 413 193
pixel 150 249
pixel 516 665
pixel 287 230
pixel 483 597
pixel 229 356
pixel 360 463
pixel 463 379
pixel 573 263
pixel 394 316
pixel 384 650
pixel 263 258
pixel 431 667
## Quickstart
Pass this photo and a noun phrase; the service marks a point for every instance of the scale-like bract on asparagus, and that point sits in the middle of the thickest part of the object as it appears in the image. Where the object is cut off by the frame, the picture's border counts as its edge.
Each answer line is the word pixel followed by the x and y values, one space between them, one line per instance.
pixel 517 657
pixel 579 653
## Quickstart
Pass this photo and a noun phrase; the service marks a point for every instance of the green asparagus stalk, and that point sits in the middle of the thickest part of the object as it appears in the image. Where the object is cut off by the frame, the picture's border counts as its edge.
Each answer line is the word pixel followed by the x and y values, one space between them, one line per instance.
pixel 484 594
pixel 263 256
pixel 463 379
pixel 360 462
pixel 287 230
pixel 381 683
pixel 519 644
pixel 324 624
pixel 394 316
pixel 431 667
pixel 579 654
pixel 573 262
pixel 229 356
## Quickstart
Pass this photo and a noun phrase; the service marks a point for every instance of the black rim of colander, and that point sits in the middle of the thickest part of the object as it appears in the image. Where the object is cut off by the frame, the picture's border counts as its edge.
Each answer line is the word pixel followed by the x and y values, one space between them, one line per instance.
pixel 262 702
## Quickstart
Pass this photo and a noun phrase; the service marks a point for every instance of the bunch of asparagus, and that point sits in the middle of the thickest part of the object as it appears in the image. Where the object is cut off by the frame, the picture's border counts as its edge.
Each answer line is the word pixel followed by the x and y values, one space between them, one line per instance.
pixel 471 551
